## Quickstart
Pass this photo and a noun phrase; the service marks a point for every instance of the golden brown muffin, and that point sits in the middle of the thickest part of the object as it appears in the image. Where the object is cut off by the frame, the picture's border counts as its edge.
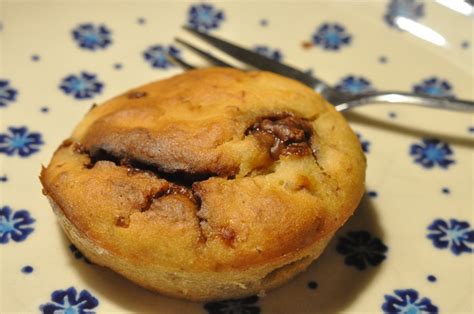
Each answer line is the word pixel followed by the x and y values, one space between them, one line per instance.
pixel 212 184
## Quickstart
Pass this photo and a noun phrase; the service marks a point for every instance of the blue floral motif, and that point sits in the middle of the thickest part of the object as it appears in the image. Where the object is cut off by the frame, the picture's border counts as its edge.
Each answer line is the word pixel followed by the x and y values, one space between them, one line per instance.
pixel 331 36
pixel 20 141
pixel 434 87
pixel 431 278
pixel 7 93
pixel 361 249
pixel 363 143
pixel 408 302
pixel 205 17
pixel 92 37
pixel 27 269
pixel 354 85
pixel 454 235
pixel 241 306
pixel 68 302
pixel 82 86
pixel 156 55
pixel 431 152
pixel 410 9
pixel 15 225
pixel 268 52
pixel 78 254
pixel 372 194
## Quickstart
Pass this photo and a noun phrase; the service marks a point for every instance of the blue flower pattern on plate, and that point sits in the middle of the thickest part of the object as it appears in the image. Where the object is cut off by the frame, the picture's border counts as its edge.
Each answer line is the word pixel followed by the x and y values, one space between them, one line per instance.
pixel 432 152
pixel 7 93
pixel 431 278
pixel 156 55
pixel 68 302
pixel 354 85
pixel 434 87
pixel 372 194
pixel 268 52
pixel 83 86
pixel 27 269
pixel 361 249
pixel 410 9
pixel 92 37
pixel 363 143
pixel 331 36
pixel 19 141
pixel 78 254
pixel 240 306
pixel 408 301
pixel 15 225
pixel 454 235
pixel 205 17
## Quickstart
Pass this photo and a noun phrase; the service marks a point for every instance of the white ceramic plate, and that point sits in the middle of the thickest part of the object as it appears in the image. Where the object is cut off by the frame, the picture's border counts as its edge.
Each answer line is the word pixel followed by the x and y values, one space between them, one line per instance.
pixel 409 247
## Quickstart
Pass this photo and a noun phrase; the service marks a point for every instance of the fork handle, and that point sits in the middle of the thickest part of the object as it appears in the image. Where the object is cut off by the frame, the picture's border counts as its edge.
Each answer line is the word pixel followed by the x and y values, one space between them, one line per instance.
pixel 408 99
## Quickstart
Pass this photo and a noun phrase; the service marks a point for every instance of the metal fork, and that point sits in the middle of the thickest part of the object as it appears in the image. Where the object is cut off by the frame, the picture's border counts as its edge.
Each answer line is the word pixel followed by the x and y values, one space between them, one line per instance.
pixel 341 100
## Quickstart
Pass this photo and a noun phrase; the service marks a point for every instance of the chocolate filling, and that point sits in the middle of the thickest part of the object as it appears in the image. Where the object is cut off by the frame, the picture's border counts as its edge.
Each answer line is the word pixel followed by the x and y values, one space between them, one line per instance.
pixel 178 178
pixel 169 190
pixel 283 135
pixel 228 235
pixel 280 135
pixel 178 183
pixel 122 221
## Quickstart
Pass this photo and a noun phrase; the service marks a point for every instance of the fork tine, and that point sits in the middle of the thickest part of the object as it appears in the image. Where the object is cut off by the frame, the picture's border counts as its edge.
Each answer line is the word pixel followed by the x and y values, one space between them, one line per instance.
pixel 256 60
pixel 180 62
pixel 204 54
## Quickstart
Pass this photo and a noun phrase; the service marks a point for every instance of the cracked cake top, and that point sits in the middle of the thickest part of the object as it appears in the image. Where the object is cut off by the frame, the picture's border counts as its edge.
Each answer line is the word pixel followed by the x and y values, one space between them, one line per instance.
pixel 211 170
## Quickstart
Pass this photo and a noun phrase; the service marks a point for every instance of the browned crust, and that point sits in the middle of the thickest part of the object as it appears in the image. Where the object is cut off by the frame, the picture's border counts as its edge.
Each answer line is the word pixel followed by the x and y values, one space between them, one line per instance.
pixel 201 286
pixel 247 213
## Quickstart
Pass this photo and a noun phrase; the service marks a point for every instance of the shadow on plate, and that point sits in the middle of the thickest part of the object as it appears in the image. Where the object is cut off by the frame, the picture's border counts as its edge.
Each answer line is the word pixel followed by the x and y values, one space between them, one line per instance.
pixel 329 285
pixel 338 284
